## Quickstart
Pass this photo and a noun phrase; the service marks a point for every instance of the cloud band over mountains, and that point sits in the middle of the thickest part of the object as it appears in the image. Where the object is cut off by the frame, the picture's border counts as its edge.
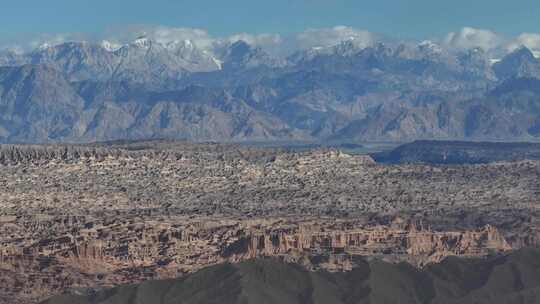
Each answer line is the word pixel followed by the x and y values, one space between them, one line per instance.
pixel 465 38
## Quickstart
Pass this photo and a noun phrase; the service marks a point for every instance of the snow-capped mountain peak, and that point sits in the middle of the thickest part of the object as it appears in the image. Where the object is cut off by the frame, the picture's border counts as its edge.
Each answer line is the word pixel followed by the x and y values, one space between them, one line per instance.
pixel 349 46
pixel 428 45
pixel 44 46
pixel 142 42
pixel 183 45
pixel 110 46
pixel 188 43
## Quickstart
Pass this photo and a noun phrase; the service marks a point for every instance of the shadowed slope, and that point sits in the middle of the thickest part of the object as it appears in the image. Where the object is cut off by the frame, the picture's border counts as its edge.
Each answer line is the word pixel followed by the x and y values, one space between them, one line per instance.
pixel 509 279
pixel 459 152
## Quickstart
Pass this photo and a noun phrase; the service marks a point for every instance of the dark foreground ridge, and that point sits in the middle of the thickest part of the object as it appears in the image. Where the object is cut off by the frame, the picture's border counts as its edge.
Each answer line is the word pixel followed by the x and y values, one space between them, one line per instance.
pixel 459 152
pixel 505 279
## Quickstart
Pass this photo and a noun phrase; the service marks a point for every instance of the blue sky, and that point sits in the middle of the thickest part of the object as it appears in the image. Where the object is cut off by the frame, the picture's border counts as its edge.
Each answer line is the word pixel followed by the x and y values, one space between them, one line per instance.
pixel 493 24
pixel 399 18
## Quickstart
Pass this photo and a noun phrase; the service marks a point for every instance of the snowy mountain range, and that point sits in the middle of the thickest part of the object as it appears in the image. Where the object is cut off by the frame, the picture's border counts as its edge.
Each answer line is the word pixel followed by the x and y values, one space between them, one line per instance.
pixel 80 91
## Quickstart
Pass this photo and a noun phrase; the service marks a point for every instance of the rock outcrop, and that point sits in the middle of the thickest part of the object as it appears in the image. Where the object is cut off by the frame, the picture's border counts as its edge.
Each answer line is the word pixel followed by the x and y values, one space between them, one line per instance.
pixel 112 252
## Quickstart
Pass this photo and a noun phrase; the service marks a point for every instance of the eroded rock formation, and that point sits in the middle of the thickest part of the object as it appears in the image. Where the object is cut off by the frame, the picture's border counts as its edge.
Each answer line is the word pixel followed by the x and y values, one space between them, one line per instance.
pixel 102 254
pixel 89 217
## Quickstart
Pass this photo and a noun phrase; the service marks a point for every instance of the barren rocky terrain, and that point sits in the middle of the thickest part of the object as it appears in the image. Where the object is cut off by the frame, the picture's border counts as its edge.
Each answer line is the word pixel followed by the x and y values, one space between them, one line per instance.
pixel 80 218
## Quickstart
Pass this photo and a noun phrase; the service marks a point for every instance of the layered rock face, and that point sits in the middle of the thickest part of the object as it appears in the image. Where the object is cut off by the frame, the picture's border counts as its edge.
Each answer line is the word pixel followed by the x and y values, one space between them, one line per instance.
pixel 395 243
pixel 78 218
pixel 112 252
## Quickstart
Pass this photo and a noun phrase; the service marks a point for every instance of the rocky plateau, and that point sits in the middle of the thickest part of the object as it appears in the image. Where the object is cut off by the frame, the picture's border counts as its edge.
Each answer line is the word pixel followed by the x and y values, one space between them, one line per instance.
pixel 80 218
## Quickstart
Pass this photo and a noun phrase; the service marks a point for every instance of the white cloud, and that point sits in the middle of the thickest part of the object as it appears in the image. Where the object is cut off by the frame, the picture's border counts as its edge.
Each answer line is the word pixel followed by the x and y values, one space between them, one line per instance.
pixel 46 40
pixel 492 42
pixel 468 38
pixel 529 40
pixel 332 36
pixel 13 48
pixel 262 40
pixel 201 38
pixel 160 34
pixel 26 43
pixel 114 38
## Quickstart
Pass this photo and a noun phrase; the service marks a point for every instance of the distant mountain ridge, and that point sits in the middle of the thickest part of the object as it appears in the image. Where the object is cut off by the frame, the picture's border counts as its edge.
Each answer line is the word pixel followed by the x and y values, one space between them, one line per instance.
pixel 79 91
pixel 459 152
